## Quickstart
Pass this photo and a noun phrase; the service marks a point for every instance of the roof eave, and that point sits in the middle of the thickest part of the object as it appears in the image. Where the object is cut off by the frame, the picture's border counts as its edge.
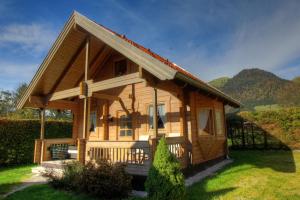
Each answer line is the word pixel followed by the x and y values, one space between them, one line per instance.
pixel 227 99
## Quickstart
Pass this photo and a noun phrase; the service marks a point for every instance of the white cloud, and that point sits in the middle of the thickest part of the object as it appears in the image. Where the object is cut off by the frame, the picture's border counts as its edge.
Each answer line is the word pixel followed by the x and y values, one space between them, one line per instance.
pixel 269 41
pixel 35 38
pixel 13 73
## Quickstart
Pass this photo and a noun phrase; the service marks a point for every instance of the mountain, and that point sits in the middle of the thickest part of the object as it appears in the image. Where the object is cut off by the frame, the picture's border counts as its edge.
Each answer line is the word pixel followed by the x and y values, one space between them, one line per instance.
pixel 296 80
pixel 219 82
pixel 254 87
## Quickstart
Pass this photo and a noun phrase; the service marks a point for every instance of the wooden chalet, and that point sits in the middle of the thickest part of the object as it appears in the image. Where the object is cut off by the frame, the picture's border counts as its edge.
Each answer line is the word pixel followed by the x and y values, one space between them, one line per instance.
pixel 123 98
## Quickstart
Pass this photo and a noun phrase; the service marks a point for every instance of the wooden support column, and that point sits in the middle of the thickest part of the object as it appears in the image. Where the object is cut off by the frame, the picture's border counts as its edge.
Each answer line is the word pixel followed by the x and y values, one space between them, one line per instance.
pixel 194 126
pixel 105 121
pixel 155 127
pixel 86 108
pixel 154 138
pixel 42 134
pixel 184 131
pixel 226 133
pixel 86 99
pixel 75 125
pixel 42 119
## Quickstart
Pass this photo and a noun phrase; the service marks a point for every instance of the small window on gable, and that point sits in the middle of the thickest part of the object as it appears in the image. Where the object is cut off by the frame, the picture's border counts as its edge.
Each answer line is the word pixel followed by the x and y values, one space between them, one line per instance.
pixel 93 121
pixel 205 121
pixel 219 122
pixel 120 67
pixel 161 116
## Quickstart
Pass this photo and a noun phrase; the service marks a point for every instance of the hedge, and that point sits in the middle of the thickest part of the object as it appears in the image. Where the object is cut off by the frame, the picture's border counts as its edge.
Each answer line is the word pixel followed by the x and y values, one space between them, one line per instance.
pixel 17 138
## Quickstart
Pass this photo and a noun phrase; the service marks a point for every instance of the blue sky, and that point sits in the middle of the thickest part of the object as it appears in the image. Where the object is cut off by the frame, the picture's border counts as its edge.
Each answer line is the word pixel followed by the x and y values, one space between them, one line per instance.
pixel 208 38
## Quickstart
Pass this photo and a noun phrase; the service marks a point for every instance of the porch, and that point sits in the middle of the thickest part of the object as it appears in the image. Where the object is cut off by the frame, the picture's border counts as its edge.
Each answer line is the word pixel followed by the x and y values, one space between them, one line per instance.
pixel 137 155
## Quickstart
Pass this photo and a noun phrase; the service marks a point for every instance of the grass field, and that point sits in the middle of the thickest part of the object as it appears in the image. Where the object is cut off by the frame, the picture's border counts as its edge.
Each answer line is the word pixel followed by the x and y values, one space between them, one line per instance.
pixel 255 175
pixel 12 176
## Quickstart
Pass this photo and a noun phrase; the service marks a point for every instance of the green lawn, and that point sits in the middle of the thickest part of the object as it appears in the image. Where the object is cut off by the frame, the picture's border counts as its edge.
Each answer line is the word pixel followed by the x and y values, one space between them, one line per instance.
pixel 45 192
pixel 256 175
pixel 11 176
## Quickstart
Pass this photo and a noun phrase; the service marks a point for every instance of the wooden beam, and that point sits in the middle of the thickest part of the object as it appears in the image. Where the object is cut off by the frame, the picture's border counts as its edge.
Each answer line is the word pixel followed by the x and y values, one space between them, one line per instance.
pixel 101 56
pixel 115 82
pixel 106 96
pixel 86 100
pixel 97 86
pixel 69 65
pixel 86 64
pixel 94 66
pixel 38 102
pixel 64 94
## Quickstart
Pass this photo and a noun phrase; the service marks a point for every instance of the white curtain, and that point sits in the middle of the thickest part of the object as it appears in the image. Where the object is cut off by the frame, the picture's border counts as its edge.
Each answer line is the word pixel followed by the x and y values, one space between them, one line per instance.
pixel 203 116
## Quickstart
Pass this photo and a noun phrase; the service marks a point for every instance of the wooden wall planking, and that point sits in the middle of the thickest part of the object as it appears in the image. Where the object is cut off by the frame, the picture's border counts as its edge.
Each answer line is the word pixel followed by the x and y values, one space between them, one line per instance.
pixel 205 147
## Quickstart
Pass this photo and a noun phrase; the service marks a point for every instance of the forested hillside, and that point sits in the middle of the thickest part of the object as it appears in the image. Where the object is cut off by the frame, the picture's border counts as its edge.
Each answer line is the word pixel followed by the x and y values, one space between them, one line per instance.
pixel 254 87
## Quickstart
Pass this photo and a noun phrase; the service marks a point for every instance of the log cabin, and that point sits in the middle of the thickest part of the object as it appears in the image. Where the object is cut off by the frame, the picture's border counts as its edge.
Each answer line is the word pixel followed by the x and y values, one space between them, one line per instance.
pixel 123 98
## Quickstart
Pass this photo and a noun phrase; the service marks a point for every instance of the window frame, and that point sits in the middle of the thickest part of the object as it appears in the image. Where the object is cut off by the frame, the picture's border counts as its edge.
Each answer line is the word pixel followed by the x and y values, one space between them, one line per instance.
pixel 222 128
pixel 212 126
pixel 115 67
pixel 90 121
pixel 125 137
pixel 165 116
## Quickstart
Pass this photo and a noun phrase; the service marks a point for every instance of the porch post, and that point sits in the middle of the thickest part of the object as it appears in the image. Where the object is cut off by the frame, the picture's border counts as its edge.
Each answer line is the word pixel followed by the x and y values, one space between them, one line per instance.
pixel 42 134
pixel 184 131
pixel 86 99
pixel 42 119
pixel 81 143
pixel 155 127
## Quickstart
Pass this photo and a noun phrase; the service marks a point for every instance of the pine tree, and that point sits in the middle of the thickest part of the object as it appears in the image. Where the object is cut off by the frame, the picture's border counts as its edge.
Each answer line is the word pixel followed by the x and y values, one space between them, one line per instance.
pixel 165 179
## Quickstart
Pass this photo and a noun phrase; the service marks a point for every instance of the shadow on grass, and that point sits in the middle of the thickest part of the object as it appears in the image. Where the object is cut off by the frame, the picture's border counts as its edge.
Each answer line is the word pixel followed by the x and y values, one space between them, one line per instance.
pixel 6 187
pixel 245 135
pixel 202 194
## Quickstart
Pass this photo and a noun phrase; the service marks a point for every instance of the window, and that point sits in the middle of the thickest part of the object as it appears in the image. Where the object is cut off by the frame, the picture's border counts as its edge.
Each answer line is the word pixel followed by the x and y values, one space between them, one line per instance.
pixel 219 122
pixel 205 121
pixel 93 121
pixel 161 116
pixel 120 67
pixel 125 125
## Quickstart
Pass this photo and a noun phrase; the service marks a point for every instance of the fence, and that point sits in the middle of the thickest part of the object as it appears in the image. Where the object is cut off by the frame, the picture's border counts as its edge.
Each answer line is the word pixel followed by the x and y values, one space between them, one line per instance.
pixel 248 135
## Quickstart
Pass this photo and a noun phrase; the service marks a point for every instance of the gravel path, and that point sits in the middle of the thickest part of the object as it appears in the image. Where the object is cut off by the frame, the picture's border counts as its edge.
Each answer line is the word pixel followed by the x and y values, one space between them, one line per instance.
pixel 35 179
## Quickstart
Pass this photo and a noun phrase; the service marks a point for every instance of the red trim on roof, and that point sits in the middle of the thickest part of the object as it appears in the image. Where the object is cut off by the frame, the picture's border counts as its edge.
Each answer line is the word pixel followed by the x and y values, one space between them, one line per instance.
pixel 154 55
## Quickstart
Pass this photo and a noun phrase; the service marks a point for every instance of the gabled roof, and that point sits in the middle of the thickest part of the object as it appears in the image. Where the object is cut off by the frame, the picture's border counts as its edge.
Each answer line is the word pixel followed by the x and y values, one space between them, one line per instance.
pixel 158 66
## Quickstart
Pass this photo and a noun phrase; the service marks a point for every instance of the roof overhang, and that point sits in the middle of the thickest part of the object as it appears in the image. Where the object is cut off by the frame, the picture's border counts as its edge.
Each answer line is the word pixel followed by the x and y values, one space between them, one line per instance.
pixel 208 88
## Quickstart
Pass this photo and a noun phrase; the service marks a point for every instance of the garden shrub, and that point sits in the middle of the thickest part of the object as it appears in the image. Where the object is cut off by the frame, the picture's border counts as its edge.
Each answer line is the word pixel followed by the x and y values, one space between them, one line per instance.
pixel 17 138
pixel 101 179
pixel 165 179
pixel 105 180
pixel 70 177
